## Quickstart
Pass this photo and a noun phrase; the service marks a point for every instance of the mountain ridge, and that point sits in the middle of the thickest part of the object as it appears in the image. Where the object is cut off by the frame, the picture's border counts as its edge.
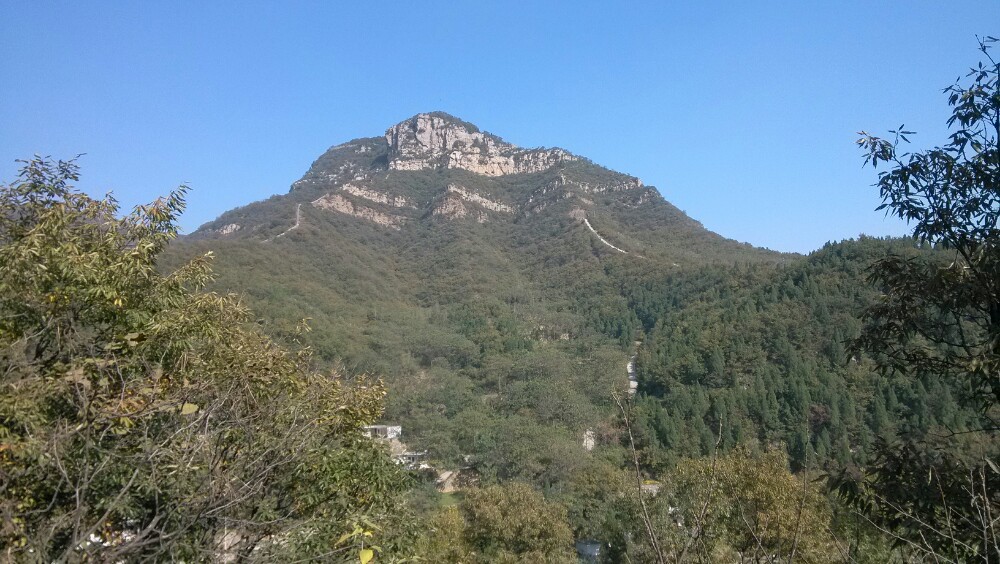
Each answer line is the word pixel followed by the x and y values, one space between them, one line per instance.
pixel 434 166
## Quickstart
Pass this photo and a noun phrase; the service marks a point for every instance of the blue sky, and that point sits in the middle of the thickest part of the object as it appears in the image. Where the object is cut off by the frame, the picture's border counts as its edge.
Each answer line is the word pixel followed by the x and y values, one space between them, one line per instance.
pixel 743 114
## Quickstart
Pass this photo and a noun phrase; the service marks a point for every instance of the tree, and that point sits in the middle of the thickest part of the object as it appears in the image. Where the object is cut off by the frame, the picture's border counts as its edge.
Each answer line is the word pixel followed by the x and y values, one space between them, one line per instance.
pixel 142 418
pixel 514 523
pixel 939 319
pixel 444 540
pixel 750 508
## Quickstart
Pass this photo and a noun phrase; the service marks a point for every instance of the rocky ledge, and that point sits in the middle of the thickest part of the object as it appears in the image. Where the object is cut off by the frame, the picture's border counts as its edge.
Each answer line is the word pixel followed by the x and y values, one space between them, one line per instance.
pixel 437 140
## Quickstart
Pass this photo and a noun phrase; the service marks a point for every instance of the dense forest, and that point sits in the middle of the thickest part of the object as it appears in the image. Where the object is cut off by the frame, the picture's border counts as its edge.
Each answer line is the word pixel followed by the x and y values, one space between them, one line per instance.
pixel 761 355
pixel 209 397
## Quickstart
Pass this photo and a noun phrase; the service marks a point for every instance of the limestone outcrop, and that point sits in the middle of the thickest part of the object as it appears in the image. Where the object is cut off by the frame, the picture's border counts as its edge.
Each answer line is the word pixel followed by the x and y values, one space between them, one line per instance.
pixel 483 201
pixel 379 197
pixel 378 179
pixel 228 229
pixel 428 141
pixel 457 200
pixel 338 203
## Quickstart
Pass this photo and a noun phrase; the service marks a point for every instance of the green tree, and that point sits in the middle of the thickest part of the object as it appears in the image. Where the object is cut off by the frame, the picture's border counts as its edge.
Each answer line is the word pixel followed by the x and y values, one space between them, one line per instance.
pixel 750 508
pixel 939 319
pixel 445 540
pixel 144 419
pixel 943 317
pixel 514 523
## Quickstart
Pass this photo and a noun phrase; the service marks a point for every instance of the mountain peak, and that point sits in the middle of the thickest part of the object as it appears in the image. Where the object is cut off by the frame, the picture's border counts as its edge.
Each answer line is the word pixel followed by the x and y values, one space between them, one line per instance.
pixel 440 140
pixel 434 167
pixel 439 118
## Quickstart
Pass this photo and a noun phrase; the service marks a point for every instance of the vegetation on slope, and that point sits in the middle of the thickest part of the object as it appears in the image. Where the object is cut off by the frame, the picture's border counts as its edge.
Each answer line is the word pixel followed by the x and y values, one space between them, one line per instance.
pixel 144 419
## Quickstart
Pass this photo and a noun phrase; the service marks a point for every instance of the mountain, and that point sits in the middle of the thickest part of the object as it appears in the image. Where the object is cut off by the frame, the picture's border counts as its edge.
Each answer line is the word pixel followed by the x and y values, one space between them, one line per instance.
pixel 490 285
pixel 434 167
pixel 500 292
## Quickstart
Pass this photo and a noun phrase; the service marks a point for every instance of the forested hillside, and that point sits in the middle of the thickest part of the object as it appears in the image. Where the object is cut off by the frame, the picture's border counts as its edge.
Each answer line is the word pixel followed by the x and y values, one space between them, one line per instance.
pixel 503 333
pixel 495 315
pixel 762 355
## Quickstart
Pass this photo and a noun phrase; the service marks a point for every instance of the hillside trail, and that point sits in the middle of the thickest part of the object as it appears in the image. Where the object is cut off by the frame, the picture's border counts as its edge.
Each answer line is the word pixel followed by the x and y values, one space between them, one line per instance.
pixel 605 241
pixel 633 385
pixel 602 239
pixel 633 382
pixel 630 372
pixel 298 221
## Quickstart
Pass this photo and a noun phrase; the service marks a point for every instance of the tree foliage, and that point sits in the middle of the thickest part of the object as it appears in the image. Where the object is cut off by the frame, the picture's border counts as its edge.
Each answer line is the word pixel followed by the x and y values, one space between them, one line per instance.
pixel 144 419
pixel 938 316
pixel 756 507
pixel 761 350
pixel 511 522
pixel 516 522
pixel 944 318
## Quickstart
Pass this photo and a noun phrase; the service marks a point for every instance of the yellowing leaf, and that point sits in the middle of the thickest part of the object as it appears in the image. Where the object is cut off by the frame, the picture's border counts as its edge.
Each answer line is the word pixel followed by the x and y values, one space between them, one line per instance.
pixel 188 408
pixel 366 555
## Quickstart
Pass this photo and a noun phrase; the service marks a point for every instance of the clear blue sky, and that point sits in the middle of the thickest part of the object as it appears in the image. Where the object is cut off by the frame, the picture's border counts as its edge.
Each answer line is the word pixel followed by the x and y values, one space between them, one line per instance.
pixel 743 114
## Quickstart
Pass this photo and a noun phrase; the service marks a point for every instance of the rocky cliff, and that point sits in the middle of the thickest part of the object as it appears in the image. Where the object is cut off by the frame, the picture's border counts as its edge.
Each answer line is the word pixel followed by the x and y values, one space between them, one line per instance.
pixel 434 140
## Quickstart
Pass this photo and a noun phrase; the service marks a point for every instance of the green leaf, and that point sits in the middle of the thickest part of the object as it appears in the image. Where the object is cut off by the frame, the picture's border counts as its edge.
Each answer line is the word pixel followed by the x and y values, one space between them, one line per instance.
pixel 993 465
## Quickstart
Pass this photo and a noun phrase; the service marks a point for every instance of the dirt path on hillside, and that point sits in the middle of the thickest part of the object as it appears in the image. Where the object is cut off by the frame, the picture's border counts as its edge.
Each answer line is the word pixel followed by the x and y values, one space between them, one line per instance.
pixel 603 240
pixel 298 222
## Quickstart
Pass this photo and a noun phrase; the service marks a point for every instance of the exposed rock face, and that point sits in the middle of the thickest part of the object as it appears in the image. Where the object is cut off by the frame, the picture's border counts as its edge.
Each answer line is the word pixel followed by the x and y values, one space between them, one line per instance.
pixel 434 141
pixel 453 206
pixel 450 208
pixel 563 187
pixel 379 197
pixel 618 185
pixel 228 229
pixel 379 179
pixel 338 203
pixel 487 203
pixel 347 162
pixel 647 195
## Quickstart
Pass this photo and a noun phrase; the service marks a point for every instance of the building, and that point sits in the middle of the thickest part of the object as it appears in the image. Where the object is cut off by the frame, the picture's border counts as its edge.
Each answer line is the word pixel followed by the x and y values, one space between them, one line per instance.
pixel 383 431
